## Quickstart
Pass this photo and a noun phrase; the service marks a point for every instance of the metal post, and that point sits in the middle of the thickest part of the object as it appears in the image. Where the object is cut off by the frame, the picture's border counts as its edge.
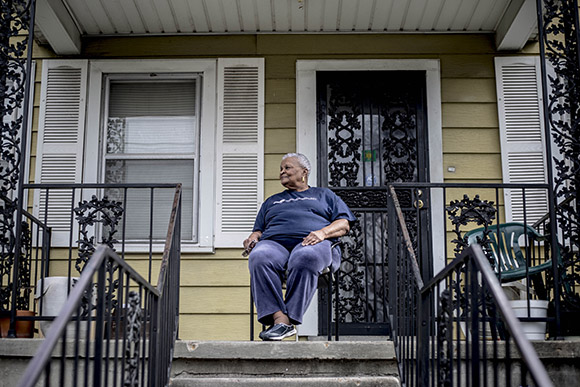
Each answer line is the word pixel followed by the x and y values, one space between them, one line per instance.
pixel 571 38
pixel 329 307
pixel 336 305
pixel 392 253
pixel 423 339
pixel 99 323
pixel 20 169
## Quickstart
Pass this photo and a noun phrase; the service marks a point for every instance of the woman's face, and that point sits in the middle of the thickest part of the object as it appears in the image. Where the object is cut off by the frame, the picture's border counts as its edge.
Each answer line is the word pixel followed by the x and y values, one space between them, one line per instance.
pixel 291 174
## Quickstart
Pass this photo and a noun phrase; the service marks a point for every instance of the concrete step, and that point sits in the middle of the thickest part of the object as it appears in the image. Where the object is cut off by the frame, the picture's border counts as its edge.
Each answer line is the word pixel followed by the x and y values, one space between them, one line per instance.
pixel 359 381
pixel 320 363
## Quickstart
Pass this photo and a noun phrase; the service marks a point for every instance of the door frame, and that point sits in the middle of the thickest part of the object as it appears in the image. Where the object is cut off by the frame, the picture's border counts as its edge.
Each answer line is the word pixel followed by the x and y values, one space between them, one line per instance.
pixel 306 137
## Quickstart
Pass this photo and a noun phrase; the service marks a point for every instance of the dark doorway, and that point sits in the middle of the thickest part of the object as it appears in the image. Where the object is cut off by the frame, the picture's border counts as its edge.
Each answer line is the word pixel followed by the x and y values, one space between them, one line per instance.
pixel 372 130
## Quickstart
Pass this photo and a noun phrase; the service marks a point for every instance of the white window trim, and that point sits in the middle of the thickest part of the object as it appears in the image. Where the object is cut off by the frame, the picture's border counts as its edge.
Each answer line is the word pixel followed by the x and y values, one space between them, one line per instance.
pixel 208 70
pixel 306 139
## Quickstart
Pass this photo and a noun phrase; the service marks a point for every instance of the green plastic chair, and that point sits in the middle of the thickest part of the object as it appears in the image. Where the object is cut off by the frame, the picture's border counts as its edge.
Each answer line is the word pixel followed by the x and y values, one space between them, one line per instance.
pixel 510 261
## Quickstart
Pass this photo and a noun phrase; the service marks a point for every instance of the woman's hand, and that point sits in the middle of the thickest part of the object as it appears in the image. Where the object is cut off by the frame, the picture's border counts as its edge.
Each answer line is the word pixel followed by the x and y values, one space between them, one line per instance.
pixel 314 237
pixel 252 240
pixel 335 229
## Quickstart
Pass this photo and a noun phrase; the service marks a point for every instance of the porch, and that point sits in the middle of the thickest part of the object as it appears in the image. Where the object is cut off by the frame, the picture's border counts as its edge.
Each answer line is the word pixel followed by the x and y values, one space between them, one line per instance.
pixel 390 281
pixel 408 300
pixel 219 363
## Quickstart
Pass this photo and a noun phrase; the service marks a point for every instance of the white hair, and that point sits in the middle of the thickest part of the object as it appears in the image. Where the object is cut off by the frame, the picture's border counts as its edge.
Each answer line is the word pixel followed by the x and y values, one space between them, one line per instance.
pixel 302 160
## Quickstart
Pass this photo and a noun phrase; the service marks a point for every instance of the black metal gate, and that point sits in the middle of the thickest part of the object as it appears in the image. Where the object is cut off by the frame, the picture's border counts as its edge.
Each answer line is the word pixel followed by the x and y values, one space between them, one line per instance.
pixel 372 130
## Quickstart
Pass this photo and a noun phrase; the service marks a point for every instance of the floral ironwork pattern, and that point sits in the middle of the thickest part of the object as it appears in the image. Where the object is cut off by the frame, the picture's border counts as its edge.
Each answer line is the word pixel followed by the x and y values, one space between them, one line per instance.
pixel 352 276
pixel 465 211
pixel 560 42
pixel 103 211
pixel 107 213
pixel 344 143
pixel 360 198
pixel 24 288
pixel 134 315
pixel 400 143
pixel 15 27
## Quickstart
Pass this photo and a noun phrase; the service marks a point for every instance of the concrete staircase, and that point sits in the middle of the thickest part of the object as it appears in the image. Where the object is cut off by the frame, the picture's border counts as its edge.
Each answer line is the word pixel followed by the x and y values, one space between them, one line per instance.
pixel 319 363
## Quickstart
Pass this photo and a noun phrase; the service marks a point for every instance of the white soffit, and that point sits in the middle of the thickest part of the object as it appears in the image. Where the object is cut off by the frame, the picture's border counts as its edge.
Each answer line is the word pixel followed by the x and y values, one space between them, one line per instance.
pixel 112 17
pixel 175 17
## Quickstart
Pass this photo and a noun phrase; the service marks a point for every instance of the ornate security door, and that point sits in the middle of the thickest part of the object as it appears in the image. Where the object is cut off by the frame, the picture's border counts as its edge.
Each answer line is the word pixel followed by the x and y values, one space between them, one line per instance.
pixel 372 131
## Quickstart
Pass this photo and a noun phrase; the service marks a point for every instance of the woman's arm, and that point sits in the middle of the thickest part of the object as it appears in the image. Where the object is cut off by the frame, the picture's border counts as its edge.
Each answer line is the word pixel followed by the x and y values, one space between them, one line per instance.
pixel 253 238
pixel 335 229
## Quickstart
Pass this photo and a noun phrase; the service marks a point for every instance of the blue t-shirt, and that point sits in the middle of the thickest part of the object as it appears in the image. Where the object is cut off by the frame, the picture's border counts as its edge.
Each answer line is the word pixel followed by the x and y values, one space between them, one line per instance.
pixel 289 216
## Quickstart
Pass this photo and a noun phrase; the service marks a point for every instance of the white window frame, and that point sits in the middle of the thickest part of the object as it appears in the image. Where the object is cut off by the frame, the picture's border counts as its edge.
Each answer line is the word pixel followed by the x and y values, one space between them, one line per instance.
pixel 194 155
pixel 206 167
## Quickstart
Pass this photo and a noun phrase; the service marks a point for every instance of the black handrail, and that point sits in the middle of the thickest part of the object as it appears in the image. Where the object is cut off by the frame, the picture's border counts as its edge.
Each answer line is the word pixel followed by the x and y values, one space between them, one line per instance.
pixel 424 317
pixel 128 311
pixel 434 212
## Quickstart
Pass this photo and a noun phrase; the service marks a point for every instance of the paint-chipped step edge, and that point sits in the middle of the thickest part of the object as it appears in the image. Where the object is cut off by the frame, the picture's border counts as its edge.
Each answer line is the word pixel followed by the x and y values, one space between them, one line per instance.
pixel 359 381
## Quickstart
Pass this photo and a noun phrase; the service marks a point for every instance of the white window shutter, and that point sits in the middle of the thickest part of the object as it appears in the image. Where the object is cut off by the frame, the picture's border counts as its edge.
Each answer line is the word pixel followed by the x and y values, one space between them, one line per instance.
pixel 59 154
pixel 240 148
pixel 521 122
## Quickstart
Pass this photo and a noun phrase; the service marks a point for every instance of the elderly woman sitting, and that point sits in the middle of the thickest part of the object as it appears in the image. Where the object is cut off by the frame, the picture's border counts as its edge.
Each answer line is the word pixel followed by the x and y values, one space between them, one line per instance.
pixel 293 233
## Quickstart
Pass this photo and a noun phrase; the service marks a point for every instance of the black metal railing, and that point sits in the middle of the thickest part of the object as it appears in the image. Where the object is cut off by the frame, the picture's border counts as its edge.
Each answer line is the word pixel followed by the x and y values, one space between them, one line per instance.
pixel 67 222
pixel 442 220
pixel 116 327
pixel 445 218
pixel 19 276
pixel 457 328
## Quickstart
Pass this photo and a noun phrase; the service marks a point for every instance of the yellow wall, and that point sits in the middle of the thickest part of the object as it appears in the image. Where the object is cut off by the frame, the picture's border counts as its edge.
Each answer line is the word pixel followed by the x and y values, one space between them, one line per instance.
pixel 215 287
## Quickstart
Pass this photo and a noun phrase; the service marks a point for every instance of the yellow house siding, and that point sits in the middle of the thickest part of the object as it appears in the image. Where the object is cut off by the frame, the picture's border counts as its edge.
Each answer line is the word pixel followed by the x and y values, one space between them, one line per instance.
pixel 469 115
pixel 457 140
pixel 170 46
pixel 280 140
pixel 467 66
pixel 215 296
pixel 379 44
pixel 215 287
pixel 280 115
pixel 457 90
pixel 280 91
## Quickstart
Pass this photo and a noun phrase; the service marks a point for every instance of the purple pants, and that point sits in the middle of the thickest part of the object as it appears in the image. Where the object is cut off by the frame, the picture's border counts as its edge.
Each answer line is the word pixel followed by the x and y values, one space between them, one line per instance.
pixel 269 262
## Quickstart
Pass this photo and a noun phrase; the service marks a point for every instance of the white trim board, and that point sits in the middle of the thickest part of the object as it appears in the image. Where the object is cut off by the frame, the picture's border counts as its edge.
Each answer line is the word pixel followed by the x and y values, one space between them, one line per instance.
pixel 306 139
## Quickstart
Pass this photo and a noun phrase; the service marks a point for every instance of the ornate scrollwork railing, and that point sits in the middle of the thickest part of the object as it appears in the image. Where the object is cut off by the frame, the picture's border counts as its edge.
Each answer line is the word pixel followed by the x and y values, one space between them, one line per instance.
pixel 16 30
pixel 558 22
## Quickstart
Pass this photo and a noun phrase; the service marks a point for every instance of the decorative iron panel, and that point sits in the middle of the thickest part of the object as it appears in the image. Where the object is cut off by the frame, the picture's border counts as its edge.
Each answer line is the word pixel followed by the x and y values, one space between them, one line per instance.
pixel 369 131
pixel 559 42
pixel 16 23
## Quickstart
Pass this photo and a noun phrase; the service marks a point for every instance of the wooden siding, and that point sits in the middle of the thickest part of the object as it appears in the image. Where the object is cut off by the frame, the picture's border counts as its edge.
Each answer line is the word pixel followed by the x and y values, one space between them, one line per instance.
pixel 215 287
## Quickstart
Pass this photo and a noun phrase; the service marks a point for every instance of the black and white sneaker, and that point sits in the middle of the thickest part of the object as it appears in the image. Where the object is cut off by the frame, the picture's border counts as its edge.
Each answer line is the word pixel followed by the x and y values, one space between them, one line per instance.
pixel 264 332
pixel 278 332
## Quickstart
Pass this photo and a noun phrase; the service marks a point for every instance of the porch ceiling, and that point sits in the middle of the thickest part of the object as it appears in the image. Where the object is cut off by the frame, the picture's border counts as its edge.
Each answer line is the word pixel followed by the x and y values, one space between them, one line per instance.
pixel 64 22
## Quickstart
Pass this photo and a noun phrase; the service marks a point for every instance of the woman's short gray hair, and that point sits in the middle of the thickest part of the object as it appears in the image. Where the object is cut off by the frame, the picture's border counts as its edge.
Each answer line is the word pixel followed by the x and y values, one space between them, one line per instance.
pixel 302 160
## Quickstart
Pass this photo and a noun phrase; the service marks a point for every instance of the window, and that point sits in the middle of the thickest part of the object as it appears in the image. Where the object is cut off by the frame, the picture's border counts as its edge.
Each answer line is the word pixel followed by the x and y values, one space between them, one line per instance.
pixel 152 136
pixel 195 121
